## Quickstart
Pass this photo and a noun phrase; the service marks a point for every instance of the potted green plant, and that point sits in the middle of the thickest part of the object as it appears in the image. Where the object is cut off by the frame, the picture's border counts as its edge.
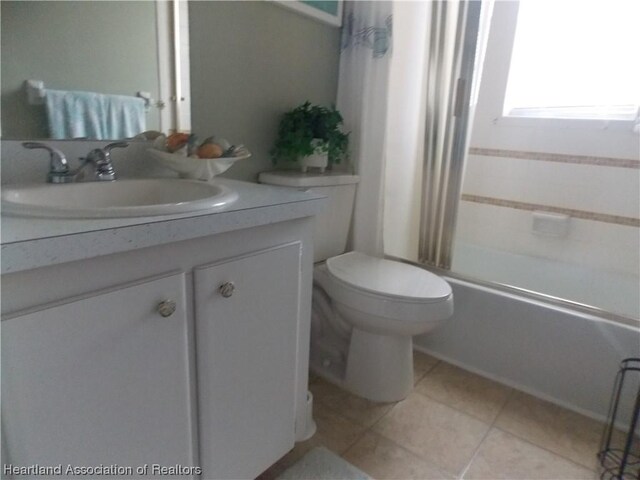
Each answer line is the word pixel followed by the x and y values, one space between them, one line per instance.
pixel 312 135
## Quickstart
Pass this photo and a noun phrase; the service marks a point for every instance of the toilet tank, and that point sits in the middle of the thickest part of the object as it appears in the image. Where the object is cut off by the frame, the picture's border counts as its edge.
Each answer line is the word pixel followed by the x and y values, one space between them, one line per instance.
pixel 332 225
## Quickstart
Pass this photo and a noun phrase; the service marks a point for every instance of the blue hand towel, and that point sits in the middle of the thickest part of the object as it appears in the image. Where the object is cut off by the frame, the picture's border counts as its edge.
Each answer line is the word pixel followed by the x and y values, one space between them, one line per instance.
pixel 94 115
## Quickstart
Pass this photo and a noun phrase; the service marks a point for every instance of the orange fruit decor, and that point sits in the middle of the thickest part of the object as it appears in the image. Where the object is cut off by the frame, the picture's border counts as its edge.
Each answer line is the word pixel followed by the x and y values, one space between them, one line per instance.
pixel 209 150
pixel 176 141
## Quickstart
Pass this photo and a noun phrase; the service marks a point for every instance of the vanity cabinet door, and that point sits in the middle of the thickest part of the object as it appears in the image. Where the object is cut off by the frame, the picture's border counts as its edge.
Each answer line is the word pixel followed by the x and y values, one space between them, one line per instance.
pixel 100 380
pixel 246 332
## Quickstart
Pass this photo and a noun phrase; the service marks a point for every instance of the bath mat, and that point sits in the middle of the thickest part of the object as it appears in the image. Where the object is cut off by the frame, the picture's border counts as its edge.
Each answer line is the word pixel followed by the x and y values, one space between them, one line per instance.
pixel 321 464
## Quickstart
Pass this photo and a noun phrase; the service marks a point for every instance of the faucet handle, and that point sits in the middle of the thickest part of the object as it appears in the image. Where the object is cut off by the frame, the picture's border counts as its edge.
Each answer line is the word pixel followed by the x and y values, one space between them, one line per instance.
pixel 58 168
pixel 109 147
pixel 101 158
pixel 58 160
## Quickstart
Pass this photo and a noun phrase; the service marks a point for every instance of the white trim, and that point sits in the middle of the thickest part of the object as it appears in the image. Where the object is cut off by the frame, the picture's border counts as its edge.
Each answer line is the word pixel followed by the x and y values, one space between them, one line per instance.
pixel 535 117
pixel 182 61
pixel 617 112
pixel 165 79
pixel 177 78
pixel 172 19
pixel 335 20
pixel 561 123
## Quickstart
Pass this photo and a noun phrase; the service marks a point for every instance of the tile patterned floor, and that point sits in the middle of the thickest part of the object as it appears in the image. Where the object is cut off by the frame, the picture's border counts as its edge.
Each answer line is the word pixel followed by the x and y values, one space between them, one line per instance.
pixel 455 425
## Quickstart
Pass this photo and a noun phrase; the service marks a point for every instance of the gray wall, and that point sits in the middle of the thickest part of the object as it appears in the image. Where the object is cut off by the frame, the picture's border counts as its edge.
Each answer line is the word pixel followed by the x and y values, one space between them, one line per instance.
pixel 250 62
pixel 105 47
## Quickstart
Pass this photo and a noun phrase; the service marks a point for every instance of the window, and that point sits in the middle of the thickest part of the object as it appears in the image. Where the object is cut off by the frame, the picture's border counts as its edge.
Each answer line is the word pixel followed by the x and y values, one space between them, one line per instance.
pixel 575 60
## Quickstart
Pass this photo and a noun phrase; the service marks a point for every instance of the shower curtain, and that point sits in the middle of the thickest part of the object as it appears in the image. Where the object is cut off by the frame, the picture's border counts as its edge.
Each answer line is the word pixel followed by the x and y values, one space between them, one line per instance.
pixel 407 114
pixel 362 100
pixel 405 131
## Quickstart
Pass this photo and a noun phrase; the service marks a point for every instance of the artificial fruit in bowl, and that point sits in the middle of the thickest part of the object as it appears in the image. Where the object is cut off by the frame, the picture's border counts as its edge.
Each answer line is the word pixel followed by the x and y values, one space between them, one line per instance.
pixel 160 143
pixel 187 145
pixel 209 150
pixel 176 141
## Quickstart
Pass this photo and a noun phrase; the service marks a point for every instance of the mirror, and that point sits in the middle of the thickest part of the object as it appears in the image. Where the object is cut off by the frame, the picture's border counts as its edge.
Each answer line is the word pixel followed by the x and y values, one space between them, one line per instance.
pixel 107 48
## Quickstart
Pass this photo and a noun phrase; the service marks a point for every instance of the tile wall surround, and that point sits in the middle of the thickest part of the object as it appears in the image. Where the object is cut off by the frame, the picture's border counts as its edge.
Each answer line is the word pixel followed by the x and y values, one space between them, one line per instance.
pixel 584 215
pixel 597 245
pixel 601 195
pixel 455 424
pixel 590 188
pixel 557 157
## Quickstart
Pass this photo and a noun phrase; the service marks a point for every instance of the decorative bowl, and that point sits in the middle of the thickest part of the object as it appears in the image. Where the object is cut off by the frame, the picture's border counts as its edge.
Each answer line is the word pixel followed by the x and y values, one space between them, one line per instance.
pixel 197 168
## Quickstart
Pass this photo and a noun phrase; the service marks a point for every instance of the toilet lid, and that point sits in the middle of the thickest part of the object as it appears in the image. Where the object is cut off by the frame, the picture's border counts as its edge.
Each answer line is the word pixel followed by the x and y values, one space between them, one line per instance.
pixel 388 278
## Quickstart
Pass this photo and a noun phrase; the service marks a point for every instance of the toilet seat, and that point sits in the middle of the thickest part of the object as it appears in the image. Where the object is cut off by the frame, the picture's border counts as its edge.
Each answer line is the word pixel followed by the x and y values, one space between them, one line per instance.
pixel 393 313
pixel 388 279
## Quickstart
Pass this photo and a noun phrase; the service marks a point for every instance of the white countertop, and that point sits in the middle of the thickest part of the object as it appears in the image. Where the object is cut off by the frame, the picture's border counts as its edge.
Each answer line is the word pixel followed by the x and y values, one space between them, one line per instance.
pixel 36 242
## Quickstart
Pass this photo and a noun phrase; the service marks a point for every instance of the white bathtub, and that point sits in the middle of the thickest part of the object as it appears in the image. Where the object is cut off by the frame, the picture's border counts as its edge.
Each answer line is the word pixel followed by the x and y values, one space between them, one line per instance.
pixel 611 291
pixel 555 353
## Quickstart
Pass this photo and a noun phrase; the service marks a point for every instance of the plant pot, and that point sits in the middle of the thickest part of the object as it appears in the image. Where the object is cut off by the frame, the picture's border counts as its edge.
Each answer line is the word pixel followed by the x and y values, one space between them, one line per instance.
pixel 318 159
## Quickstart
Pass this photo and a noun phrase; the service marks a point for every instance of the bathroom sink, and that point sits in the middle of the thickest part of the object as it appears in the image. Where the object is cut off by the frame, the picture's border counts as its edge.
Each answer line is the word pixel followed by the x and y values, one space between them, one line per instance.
pixel 120 198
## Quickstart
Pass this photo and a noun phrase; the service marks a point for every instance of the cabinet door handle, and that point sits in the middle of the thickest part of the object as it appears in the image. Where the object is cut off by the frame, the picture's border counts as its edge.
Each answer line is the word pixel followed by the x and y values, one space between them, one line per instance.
pixel 226 289
pixel 166 308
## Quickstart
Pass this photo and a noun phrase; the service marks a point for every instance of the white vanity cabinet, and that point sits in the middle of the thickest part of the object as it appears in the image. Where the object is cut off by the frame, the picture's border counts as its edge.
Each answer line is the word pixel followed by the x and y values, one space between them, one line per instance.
pixel 92 373
pixel 246 316
pixel 99 380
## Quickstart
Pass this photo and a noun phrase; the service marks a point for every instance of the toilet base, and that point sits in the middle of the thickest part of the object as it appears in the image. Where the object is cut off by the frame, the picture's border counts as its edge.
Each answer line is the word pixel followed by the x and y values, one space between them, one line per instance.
pixel 379 367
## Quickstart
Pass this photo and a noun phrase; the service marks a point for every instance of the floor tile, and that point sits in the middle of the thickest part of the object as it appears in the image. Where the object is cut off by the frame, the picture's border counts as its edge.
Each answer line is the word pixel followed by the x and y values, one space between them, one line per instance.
pixel 335 432
pixel 355 408
pixel 382 459
pixel 422 363
pixel 504 456
pixel 439 434
pixel 463 390
pixel 554 428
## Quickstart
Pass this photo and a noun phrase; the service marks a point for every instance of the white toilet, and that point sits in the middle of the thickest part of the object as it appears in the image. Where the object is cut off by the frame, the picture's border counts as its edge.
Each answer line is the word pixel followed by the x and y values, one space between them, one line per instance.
pixel 365 309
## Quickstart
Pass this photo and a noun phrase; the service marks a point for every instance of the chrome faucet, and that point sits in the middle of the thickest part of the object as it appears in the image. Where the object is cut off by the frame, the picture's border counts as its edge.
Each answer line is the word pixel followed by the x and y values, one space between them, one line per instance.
pixel 59 171
pixel 100 158
pixel 59 168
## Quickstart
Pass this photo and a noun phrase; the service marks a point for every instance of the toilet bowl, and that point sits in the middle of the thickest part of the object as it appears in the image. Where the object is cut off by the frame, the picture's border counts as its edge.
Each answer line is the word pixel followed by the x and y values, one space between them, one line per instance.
pixel 385 302
pixel 365 309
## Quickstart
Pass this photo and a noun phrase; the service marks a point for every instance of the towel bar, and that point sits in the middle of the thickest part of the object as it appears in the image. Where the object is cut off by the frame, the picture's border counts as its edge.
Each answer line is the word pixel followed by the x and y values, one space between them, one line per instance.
pixel 36 94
